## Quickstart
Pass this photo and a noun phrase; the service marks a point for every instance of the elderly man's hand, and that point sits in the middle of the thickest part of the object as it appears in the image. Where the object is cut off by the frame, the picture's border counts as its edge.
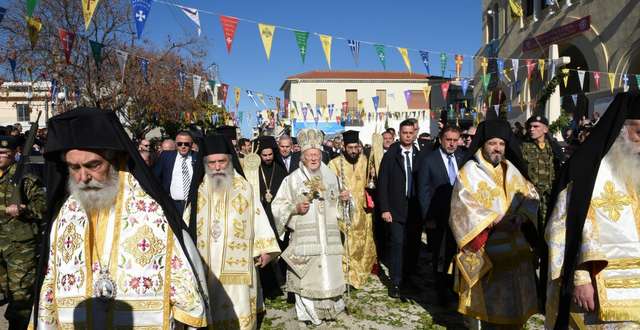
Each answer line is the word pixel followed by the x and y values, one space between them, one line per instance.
pixel 14 211
pixel 302 208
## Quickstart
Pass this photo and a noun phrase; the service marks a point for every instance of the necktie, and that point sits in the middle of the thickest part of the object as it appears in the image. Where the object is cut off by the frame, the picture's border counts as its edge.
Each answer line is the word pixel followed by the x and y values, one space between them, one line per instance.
pixel 186 178
pixel 452 170
pixel 407 159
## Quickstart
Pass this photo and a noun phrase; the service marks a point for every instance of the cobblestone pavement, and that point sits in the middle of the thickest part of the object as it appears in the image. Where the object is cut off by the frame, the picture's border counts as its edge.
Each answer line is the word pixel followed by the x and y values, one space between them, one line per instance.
pixel 371 308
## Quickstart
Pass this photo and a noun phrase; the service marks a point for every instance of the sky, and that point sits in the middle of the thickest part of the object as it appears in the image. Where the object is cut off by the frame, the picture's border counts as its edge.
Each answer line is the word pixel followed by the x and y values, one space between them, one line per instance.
pixel 452 26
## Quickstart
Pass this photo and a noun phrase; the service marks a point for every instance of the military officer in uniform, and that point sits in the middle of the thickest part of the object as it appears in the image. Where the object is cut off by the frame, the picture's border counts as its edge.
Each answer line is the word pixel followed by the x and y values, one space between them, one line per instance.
pixel 19 222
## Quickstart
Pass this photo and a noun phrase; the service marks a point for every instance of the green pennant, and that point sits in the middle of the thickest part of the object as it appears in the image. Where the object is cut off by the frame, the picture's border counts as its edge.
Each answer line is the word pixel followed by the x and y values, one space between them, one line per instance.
pixel 381 56
pixel 96 50
pixel 31 6
pixel 485 81
pixel 301 40
pixel 212 84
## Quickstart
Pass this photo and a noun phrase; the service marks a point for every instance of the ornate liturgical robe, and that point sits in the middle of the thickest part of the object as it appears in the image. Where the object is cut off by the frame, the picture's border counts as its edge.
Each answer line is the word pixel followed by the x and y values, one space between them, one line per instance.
pixel 232 230
pixel 361 249
pixel 155 285
pixel 497 282
pixel 610 243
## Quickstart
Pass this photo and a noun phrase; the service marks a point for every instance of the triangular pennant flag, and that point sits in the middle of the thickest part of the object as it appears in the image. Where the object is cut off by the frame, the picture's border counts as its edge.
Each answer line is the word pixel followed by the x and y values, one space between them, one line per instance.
pixel 565 78
pixel 612 77
pixel 354 45
pixel 514 67
pixel 541 68
pixel 3 11
pixel 304 113
pixel 496 108
pixel 581 78
pixel 509 107
pixel 67 38
pixel 229 26
pixel 380 52
pixel 405 57
pixel 266 34
pixel 638 81
pixel 301 41
pixel 500 64
pixel 144 67
pixel 182 78
pixel 444 88
pixel 326 46
pixel 530 66
pixel 459 61
pixel 96 51
pixel 13 64
pixel 574 97
pixel 485 81
pixel 212 85
pixel 34 25
pixel 196 85
pixel 31 6
pixel 465 85
pixel 625 83
pixel 236 94
pixel 88 7
pixel 426 91
pixel 376 102
pixel 596 78
pixel 122 56
pixel 331 109
pixel 194 15
pixel 223 89
pixel 141 9
pixel 424 55
pixel 443 63
pixel 484 63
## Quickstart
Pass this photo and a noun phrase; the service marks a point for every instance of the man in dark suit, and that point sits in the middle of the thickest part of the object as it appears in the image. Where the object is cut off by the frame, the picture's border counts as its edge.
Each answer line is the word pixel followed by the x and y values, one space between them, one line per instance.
pixel 399 205
pixel 436 176
pixel 290 159
pixel 174 169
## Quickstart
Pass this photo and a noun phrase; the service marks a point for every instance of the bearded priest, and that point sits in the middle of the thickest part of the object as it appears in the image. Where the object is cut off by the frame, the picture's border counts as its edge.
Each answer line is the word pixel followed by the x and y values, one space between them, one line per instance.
pixel 593 233
pixel 115 253
pixel 233 235
pixel 309 203
pixel 493 205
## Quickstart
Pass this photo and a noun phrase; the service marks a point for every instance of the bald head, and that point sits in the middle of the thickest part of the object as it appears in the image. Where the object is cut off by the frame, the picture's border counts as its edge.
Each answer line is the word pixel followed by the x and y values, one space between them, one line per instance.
pixel 168 145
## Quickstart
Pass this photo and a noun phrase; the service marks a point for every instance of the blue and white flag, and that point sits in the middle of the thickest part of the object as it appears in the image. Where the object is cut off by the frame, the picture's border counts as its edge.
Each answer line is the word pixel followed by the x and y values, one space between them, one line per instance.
pixel 144 67
pixel 141 10
pixel 253 99
pixel 465 85
pixel 376 102
pixel 182 76
pixel 13 64
pixel 354 45
pixel 194 15
pixel 54 90
pixel 425 59
pixel 500 63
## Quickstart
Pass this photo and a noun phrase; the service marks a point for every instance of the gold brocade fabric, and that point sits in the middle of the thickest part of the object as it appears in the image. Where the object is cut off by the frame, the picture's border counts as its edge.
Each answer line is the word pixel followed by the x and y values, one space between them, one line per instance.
pixel 504 290
pixel 610 238
pixel 361 249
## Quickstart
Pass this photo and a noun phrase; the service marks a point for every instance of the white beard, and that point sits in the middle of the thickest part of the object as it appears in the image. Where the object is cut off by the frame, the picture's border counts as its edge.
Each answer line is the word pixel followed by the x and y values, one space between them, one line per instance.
pixel 624 161
pixel 96 195
pixel 220 181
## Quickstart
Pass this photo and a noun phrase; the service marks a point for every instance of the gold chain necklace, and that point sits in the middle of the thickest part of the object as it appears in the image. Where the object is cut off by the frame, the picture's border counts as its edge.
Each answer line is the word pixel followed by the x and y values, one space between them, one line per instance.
pixel 267 195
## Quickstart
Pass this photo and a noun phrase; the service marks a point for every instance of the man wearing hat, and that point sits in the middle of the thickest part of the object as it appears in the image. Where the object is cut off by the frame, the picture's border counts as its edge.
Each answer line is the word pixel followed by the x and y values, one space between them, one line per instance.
pixel 115 254
pixel 230 132
pixel 232 234
pixel 352 169
pixel 491 203
pixel 19 223
pixel 310 203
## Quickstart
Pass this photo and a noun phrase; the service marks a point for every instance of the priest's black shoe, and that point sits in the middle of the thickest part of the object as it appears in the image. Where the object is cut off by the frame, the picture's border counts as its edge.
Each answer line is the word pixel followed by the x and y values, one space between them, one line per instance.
pixel 394 291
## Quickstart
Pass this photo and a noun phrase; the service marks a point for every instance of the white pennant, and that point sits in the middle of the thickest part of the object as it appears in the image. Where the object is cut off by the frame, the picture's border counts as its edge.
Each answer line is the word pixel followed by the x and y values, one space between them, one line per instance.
pixel 196 85
pixel 122 60
pixel 193 14
pixel 496 108
pixel 574 97
pixel 581 78
pixel 514 65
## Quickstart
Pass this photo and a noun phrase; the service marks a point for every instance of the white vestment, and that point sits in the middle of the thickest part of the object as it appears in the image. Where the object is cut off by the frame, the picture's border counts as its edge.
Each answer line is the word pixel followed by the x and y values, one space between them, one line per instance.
pixel 314 254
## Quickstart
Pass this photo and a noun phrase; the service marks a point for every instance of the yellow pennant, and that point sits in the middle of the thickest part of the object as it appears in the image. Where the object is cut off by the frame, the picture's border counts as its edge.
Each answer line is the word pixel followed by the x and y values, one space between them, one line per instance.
pixel 484 63
pixel 326 46
pixel 266 33
pixel 88 7
pixel 612 77
pixel 405 57
pixel 541 67
pixel 237 95
pixel 565 79
pixel 34 25
pixel 426 90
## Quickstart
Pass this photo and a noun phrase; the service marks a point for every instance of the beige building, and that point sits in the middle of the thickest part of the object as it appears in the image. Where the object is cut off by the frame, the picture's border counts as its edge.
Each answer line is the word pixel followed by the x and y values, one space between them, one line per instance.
pixel 21 101
pixel 597 35
pixel 400 94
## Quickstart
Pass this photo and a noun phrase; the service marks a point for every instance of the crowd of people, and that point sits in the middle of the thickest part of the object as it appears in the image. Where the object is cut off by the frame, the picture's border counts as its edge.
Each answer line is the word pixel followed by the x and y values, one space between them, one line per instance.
pixel 198 230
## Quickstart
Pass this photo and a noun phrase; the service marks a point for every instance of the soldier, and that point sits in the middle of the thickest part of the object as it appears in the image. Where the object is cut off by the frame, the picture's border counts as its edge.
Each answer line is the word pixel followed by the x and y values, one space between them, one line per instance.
pixel 18 230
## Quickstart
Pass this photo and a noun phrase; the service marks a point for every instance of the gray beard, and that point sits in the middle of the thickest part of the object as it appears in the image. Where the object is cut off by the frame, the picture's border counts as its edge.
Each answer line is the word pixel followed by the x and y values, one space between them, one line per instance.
pixel 96 195
pixel 624 161
pixel 220 181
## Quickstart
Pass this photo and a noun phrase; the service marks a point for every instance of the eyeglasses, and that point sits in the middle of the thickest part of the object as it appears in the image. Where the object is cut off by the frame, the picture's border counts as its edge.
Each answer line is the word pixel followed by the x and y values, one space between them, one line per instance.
pixel 468 136
pixel 183 144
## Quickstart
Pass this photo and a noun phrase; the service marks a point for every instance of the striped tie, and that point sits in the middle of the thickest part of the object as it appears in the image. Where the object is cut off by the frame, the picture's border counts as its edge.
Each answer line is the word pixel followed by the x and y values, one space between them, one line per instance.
pixel 186 178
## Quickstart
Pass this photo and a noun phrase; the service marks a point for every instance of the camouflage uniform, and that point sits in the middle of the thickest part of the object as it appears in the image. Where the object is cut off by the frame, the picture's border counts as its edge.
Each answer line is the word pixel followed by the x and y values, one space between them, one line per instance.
pixel 18 241
pixel 541 170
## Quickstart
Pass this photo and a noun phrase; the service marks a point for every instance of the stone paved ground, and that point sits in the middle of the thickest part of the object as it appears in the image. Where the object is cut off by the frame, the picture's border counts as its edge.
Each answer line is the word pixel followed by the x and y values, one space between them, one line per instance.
pixel 371 308
pixel 3 321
